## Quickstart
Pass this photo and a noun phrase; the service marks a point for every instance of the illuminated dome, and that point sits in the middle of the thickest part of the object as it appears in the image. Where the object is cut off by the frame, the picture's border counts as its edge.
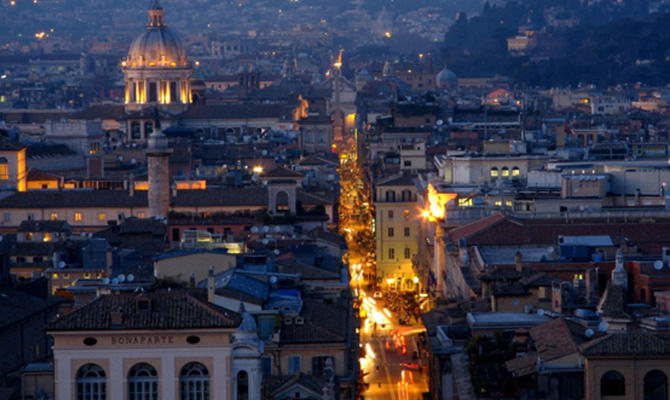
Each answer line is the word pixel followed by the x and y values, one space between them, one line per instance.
pixel 157 73
pixel 158 46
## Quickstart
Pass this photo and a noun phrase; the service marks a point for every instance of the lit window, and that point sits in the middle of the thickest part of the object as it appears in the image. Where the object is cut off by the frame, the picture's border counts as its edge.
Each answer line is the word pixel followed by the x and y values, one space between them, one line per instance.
pixel 4 169
pixel 494 172
pixel 505 172
pixel 54 276
pixel 516 172
pixel 46 237
pixel 497 203
pixel 140 215
pixel 465 202
pixel 77 217
pixel 406 213
pixel 508 203
pixel 54 216
pixel 102 216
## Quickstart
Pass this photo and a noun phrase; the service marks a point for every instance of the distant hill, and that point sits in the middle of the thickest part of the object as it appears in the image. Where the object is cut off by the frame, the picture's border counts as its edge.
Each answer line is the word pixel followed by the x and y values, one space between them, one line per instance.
pixel 606 43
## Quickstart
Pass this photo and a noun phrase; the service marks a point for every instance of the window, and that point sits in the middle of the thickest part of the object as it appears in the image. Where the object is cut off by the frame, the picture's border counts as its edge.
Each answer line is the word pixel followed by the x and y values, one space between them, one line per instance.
pixel 135 130
pixel 391 253
pixel 612 383
pixel 242 385
pixel 407 163
pixel 655 385
pixel 406 214
pixel 77 217
pixel 153 92
pixel 148 128
pixel 319 364
pixel 505 172
pixel 406 195
pixel 390 232
pixel 266 366
pixel 53 216
pixel 293 364
pixel 390 196
pixel 407 253
pixel 406 231
pixel 102 217
pixel 494 172
pixel 7 217
pixel 515 172
pixel 390 214
pixel 173 91
pixel 94 148
pixel 91 383
pixel 4 169
pixel 142 382
pixel 194 382
pixel 140 215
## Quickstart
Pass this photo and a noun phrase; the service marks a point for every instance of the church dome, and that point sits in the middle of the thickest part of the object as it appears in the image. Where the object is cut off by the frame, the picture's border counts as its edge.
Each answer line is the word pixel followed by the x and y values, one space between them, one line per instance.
pixel 157 46
pixel 446 79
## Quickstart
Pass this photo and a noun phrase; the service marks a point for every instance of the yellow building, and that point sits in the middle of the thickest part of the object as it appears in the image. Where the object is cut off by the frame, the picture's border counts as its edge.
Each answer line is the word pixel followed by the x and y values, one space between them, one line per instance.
pixel 12 165
pixel 396 223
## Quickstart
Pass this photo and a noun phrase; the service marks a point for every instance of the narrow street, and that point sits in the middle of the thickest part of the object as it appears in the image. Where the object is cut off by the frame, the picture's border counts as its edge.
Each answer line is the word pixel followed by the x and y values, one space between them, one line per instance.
pixel 392 361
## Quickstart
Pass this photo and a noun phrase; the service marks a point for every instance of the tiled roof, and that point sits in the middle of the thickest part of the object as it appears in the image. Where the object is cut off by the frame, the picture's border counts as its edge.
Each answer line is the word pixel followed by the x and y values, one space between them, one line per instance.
pixel 16 305
pixel 281 172
pixel 100 111
pixel 402 180
pixel 249 196
pixel 235 111
pixel 536 280
pixel 44 226
pixel 10 145
pixel 613 302
pixel 473 228
pixel 39 175
pixel 274 384
pixel 638 344
pixel 167 311
pixel 306 271
pixel 322 323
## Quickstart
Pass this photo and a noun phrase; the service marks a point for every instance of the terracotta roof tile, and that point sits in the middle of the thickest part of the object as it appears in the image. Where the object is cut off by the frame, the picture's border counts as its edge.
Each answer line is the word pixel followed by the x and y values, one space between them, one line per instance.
pixel 636 344
pixel 167 311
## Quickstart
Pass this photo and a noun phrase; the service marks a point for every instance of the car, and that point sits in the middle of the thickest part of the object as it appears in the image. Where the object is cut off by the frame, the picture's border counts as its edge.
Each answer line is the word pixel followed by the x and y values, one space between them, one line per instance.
pixel 377 295
pixel 411 366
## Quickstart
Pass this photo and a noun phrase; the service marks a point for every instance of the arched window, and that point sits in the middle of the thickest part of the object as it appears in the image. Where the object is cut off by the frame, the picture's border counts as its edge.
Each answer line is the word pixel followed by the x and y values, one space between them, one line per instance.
pixel 515 172
pixel 494 173
pixel 142 382
pixel 612 383
pixel 390 196
pixel 655 385
pixel 91 383
pixel 505 172
pixel 406 195
pixel 242 385
pixel 194 382
pixel 4 169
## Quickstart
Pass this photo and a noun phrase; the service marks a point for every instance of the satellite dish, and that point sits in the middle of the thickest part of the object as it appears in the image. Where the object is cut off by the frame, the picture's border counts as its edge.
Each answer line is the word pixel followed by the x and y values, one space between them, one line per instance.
pixel 254 229
pixel 603 326
pixel 61 264
pixel 589 333
pixel 265 241
pixel 276 229
pixel 540 312
pixel 0 238
pixel 130 277
pixel 550 250
pixel 83 234
pixel 105 281
pixel 115 281
pixel 277 252
pixel 266 229
pixel 121 278
pixel 658 265
pixel 439 122
pixel 273 279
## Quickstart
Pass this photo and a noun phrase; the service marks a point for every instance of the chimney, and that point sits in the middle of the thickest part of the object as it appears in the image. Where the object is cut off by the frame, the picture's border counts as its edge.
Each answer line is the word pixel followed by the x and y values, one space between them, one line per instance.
pixel 116 318
pixel 210 285
pixel 518 261
pixel 174 190
pixel 191 282
pixel 131 185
